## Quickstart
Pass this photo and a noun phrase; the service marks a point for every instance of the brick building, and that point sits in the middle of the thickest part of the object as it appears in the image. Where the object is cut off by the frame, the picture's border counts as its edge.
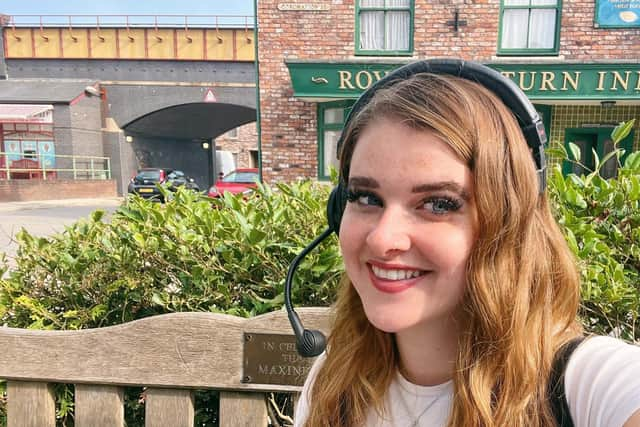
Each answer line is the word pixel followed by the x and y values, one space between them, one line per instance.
pixel 578 61
pixel 242 143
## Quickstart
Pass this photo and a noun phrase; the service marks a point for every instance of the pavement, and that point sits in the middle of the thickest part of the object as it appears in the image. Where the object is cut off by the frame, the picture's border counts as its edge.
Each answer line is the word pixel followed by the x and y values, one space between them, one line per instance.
pixel 45 217
pixel 46 204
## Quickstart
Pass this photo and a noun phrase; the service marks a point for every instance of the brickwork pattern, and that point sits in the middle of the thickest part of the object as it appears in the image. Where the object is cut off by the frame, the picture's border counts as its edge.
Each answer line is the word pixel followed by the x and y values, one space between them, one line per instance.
pixel 289 125
pixel 241 145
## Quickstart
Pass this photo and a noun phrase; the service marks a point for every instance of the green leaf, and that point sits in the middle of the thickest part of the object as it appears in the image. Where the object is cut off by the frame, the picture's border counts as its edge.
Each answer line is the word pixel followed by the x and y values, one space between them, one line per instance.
pixel 157 299
pixel 617 152
pixel 621 131
pixel 139 238
pixel 97 215
pixel 256 236
pixel 596 159
pixel 576 198
pixel 633 162
pixel 575 151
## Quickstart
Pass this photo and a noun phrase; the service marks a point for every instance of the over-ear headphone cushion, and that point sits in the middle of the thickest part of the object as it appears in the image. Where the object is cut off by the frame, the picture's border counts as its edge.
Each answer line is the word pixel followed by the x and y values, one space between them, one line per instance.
pixel 335 207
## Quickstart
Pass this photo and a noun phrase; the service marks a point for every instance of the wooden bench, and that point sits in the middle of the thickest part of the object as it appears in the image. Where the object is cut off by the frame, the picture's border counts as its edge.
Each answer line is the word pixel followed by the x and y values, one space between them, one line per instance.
pixel 172 355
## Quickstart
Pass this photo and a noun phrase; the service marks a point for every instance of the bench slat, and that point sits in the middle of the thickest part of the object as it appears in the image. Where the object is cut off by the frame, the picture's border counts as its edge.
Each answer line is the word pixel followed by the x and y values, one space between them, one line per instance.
pixel 239 409
pixel 99 406
pixel 30 404
pixel 168 407
pixel 194 350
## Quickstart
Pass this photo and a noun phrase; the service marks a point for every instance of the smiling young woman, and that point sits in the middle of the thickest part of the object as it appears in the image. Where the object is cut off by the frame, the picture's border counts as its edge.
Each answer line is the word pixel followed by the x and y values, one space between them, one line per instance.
pixel 459 287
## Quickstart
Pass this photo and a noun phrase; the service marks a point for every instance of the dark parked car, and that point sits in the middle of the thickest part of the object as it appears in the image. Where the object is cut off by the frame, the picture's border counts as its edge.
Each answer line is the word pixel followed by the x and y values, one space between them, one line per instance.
pixel 238 181
pixel 144 183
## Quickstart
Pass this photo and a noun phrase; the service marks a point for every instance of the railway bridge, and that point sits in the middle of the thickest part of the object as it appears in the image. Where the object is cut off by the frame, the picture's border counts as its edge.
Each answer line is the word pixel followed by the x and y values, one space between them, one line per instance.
pixel 143 91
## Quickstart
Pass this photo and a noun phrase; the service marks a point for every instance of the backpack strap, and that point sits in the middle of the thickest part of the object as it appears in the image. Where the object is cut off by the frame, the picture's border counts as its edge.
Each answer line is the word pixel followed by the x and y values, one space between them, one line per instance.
pixel 557 397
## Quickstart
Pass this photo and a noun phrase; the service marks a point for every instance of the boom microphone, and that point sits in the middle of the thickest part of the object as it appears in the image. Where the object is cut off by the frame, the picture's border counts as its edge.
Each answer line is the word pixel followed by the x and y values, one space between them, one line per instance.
pixel 309 343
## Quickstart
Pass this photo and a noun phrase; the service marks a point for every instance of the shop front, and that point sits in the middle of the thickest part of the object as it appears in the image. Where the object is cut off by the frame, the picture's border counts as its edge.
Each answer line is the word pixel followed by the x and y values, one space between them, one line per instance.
pixel 580 103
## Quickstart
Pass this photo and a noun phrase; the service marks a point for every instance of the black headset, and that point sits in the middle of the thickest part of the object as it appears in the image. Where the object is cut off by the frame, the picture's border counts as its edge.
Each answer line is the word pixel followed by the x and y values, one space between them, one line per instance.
pixel 311 343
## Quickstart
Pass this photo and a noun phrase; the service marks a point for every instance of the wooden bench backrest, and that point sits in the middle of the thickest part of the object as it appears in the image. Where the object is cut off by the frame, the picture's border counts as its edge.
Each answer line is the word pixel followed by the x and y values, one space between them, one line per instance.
pixel 170 354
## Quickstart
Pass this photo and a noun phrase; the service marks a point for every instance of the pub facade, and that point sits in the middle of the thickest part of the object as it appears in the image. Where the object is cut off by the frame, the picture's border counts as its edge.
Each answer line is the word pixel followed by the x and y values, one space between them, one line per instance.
pixel 579 62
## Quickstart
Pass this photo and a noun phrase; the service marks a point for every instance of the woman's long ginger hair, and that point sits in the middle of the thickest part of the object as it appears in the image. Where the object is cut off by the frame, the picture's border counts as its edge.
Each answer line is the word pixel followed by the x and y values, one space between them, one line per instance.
pixel 522 294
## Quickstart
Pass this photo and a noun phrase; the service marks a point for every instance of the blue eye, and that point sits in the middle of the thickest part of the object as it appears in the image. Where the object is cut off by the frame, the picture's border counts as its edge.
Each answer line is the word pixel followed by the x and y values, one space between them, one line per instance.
pixel 442 205
pixel 363 198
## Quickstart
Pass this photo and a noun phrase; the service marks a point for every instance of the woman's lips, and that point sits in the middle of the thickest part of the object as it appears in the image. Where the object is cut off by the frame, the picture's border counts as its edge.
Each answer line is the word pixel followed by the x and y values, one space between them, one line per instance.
pixel 393 280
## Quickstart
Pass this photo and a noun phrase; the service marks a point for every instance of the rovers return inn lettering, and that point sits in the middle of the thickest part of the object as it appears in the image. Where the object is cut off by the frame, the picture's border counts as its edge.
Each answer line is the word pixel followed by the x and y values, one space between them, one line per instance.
pixel 527 80
pixel 566 81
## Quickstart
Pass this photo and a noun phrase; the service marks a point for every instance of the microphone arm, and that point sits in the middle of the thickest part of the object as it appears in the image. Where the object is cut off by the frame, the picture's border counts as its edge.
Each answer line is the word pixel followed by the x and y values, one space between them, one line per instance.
pixel 309 343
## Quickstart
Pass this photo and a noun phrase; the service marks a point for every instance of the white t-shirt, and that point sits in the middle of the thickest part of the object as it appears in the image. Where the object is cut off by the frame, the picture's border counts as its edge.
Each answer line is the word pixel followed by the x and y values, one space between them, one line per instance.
pixel 602 384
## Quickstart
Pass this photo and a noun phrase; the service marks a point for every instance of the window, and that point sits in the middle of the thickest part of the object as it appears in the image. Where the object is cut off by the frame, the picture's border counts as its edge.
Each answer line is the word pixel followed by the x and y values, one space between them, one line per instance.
pixel 331 118
pixel 233 133
pixel 384 27
pixel 598 140
pixel 529 27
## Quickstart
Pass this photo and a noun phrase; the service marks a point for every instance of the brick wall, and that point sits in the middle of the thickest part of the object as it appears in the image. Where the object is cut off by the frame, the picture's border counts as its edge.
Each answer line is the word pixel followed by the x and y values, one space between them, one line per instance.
pixel 241 145
pixel 27 190
pixel 288 125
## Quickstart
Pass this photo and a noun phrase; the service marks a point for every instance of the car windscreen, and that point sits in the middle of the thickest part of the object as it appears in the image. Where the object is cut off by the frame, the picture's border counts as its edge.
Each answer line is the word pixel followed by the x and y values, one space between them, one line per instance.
pixel 151 175
pixel 248 177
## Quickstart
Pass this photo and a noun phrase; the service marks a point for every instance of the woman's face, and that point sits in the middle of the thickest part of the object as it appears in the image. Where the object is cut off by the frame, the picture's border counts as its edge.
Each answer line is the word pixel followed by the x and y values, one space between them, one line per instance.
pixel 409 226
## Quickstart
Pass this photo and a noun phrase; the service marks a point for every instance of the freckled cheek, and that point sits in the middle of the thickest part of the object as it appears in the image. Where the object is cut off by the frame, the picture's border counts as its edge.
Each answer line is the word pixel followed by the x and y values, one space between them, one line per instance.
pixel 352 236
pixel 447 247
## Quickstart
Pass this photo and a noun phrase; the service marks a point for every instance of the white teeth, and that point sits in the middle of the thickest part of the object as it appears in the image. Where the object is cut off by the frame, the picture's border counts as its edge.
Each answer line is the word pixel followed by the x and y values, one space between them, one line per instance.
pixel 384 273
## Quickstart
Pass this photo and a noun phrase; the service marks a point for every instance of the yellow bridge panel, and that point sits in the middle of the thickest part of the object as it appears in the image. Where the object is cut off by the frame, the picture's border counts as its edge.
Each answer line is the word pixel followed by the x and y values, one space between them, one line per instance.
pixel 131 44
pixel 18 43
pixel 47 43
pixel 75 43
pixel 190 44
pixel 160 44
pixel 244 45
pixel 103 43
pixel 220 45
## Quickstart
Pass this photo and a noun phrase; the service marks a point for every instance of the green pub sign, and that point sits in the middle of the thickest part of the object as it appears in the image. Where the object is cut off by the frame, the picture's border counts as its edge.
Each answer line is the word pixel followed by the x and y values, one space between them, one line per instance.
pixel 538 81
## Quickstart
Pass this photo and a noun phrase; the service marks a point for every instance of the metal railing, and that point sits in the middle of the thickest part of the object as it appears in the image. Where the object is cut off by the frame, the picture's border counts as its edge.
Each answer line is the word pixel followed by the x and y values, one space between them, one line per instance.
pixel 40 166
pixel 126 21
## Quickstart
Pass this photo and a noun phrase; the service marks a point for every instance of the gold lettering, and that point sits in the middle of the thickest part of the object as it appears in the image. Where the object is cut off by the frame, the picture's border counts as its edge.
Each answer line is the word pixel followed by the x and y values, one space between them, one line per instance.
pixel 263 369
pixel 617 78
pixel 369 79
pixel 268 346
pixel 287 346
pixel 601 75
pixel 291 358
pixel 638 80
pixel 345 77
pixel 508 74
pixel 547 80
pixel 380 74
pixel 566 78
pixel 533 79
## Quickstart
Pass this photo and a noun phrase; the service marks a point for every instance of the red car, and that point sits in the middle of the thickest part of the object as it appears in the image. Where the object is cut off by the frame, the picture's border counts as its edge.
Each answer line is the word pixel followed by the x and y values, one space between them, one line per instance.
pixel 238 181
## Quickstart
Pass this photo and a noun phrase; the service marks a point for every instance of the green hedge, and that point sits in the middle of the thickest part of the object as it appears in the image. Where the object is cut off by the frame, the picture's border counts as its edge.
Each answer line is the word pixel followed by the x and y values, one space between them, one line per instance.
pixel 190 254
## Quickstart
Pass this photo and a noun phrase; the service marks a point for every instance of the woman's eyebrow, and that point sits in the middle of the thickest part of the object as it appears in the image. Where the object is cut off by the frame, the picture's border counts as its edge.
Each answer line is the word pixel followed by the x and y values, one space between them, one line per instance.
pixel 362 181
pixel 442 186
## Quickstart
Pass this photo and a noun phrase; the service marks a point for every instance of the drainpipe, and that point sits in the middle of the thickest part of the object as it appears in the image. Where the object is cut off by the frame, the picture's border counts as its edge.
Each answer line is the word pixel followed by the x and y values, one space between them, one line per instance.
pixel 257 67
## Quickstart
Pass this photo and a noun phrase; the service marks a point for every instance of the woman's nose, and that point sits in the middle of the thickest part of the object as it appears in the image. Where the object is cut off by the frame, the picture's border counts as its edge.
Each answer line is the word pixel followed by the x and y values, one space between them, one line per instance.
pixel 390 233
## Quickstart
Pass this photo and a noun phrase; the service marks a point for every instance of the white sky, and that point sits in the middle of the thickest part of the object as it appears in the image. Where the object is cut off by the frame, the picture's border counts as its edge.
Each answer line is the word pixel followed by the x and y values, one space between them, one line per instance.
pixel 127 7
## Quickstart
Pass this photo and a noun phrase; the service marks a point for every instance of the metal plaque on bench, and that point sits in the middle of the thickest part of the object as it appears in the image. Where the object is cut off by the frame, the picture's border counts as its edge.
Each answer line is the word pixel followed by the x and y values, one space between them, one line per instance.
pixel 273 359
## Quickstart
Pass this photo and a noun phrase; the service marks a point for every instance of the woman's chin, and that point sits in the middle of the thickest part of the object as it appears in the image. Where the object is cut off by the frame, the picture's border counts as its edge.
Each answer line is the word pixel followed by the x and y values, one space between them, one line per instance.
pixel 389 322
